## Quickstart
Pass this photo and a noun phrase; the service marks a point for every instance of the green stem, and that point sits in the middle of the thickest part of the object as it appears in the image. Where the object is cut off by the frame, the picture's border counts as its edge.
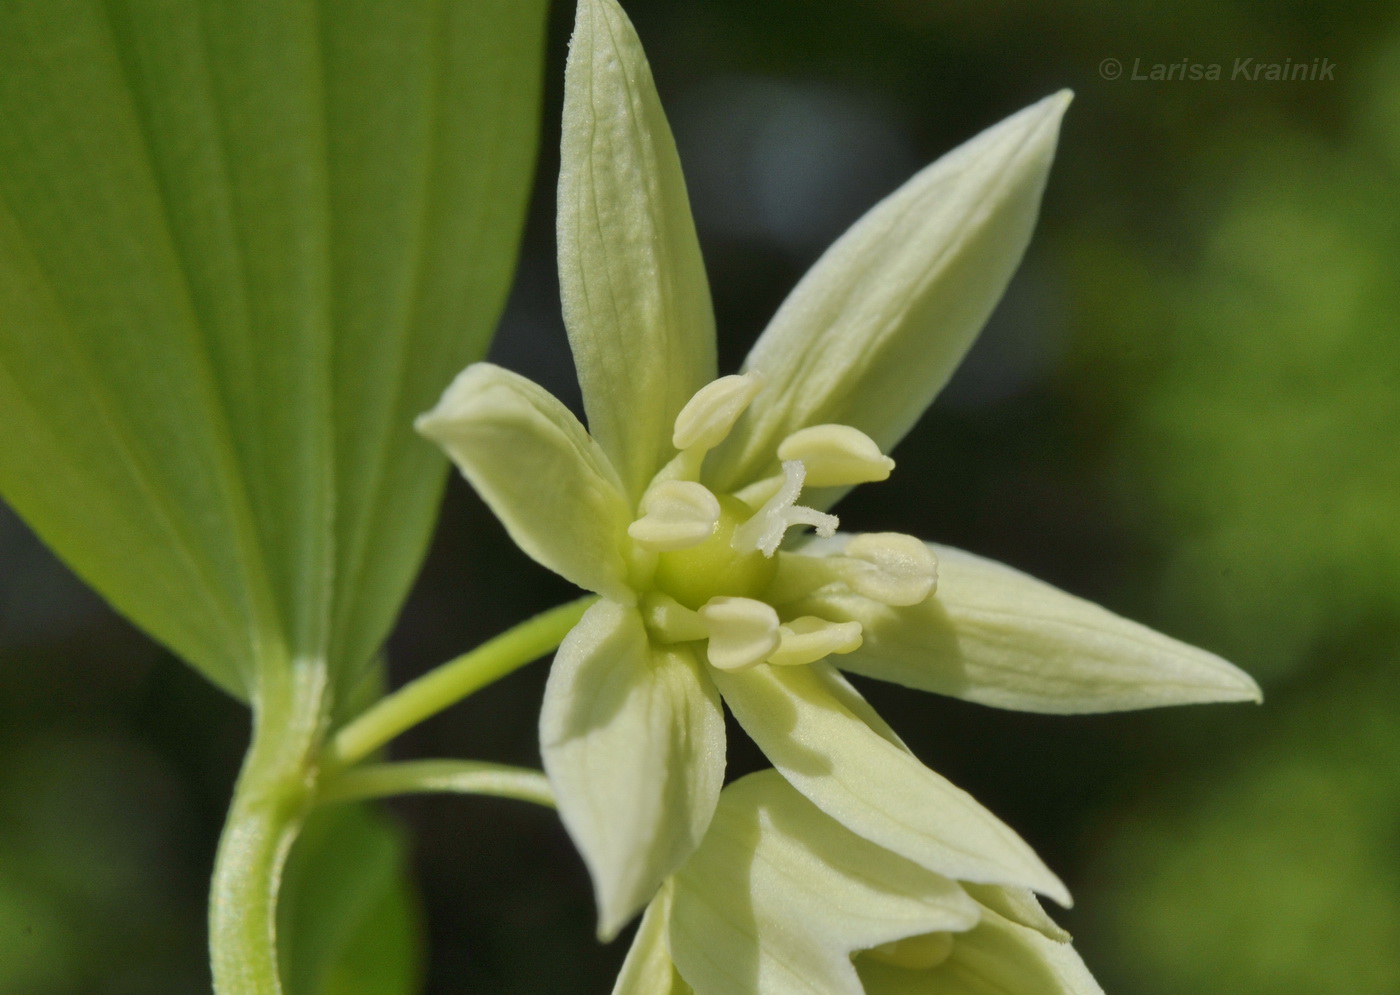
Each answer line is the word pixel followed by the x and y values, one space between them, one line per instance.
pixel 270 801
pixel 470 777
pixel 451 682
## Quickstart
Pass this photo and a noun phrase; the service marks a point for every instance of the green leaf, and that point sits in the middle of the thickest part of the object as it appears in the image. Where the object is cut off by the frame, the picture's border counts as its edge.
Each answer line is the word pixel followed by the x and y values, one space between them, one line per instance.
pixel 241 245
pixel 348 916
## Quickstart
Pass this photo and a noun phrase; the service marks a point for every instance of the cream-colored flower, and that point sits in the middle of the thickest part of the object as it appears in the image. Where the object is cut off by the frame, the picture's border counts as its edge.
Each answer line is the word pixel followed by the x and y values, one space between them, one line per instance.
pixel 779 899
pixel 677 505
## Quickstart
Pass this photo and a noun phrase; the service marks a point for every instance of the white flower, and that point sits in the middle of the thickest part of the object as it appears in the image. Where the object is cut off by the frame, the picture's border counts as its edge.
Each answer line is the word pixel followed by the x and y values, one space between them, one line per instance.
pixel 674 506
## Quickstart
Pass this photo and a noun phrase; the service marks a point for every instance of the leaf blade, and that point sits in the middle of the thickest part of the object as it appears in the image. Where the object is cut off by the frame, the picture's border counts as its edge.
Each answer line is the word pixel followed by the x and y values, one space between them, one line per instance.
pixel 195 260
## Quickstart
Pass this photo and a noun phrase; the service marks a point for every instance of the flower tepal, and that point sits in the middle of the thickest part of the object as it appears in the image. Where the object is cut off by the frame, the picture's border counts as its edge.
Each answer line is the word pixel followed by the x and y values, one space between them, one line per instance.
pixel 827 911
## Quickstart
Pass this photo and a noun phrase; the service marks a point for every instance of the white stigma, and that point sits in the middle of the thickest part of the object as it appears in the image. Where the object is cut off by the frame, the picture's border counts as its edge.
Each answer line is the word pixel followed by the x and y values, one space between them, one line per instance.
pixel 676 514
pixel 836 456
pixel 765 530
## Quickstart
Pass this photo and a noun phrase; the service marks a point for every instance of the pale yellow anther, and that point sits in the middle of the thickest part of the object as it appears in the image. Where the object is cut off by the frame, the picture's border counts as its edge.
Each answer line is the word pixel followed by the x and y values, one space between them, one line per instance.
pixel 900 569
pixel 670 621
pixel 809 639
pixel 708 416
pixel 765 530
pixel 743 632
pixel 915 953
pixel 676 514
pixel 836 456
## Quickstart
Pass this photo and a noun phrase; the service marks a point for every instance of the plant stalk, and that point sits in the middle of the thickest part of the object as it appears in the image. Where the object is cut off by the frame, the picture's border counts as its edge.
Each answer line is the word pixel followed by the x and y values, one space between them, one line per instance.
pixel 467 777
pixel 450 682
pixel 270 802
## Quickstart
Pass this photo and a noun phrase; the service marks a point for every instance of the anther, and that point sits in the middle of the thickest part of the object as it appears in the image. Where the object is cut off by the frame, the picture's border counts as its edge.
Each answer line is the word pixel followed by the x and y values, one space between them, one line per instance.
pixel 897 569
pixel 765 530
pixel 708 416
pixel 670 621
pixel 809 639
pixel 916 953
pixel 836 456
pixel 743 632
pixel 676 514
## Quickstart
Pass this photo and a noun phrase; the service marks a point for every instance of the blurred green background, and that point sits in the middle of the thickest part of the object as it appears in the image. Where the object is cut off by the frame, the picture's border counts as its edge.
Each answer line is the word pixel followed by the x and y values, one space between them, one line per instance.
pixel 1187 408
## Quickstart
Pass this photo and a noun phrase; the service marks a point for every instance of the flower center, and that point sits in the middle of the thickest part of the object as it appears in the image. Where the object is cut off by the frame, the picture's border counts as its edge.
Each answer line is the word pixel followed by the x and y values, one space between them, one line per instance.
pixel 712 562
pixel 714 568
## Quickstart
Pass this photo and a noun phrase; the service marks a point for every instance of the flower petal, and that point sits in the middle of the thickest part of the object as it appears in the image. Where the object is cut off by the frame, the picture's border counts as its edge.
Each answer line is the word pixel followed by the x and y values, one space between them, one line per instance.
pixel 648 969
pixel 871 785
pixel 1020 906
pixel 633 742
pixel 852 700
pixel 876 327
pixel 996 958
pixel 636 300
pixel 535 466
pixel 996 636
pixel 779 895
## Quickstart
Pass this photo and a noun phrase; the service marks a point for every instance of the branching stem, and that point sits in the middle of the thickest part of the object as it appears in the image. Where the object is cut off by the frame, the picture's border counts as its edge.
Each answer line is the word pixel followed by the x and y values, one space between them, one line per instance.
pixel 451 682
pixel 471 777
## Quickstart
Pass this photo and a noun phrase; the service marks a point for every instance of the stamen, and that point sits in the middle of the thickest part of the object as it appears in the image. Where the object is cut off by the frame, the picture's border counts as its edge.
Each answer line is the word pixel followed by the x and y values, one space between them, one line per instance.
pixel 676 514
pixel 836 456
pixel 708 416
pixel 743 632
pixel 899 570
pixel 809 639
pixel 765 530
pixel 800 575
pixel 670 621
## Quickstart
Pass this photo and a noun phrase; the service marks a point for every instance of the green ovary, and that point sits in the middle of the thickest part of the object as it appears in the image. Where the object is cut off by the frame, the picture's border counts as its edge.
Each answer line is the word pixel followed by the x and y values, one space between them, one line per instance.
pixel 693 576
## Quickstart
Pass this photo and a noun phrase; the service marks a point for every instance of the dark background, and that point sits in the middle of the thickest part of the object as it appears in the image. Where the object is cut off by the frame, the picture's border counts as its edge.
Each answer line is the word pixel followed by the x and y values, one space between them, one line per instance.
pixel 1186 408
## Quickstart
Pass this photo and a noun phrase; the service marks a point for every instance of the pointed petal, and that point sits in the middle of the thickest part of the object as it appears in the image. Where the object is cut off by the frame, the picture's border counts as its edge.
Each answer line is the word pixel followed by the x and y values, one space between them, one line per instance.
pixel 636 301
pixel 995 958
pixel 633 743
pixel 994 635
pixel 851 699
pixel 1020 906
pixel 779 895
pixel 648 969
pixel 872 786
pixel 876 327
pixel 535 466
